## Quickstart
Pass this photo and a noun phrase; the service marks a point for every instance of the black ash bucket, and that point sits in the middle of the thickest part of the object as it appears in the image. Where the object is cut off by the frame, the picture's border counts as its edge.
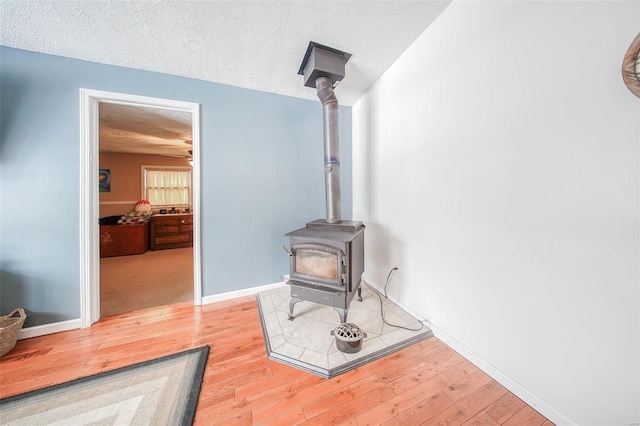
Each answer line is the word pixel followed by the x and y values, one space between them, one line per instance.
pixel 348 337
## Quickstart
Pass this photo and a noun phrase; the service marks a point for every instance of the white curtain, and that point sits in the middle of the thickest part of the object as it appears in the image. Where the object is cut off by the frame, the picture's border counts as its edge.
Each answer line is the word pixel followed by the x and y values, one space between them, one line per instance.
pixel 168 187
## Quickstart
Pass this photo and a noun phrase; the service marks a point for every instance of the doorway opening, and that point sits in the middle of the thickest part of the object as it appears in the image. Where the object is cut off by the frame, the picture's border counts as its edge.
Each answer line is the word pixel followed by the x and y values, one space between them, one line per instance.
pixel 140 132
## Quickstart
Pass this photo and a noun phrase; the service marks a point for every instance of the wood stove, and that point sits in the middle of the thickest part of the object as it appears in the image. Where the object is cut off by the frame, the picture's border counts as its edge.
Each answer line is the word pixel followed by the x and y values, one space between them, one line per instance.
pixel 327 255
pixel 326 264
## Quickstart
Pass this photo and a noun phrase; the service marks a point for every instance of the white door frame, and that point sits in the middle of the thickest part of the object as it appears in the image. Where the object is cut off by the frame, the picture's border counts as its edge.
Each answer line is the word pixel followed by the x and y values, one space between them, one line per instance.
pixel 89 195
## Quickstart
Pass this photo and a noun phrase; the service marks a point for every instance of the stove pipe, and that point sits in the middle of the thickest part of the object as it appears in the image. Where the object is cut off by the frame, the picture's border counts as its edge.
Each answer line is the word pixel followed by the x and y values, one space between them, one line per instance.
pixel 323 67
pixel 324 86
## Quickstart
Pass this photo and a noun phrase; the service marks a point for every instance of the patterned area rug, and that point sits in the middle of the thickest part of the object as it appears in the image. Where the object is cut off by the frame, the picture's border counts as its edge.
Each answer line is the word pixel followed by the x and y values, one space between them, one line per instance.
pixel 163 391
pixel 306 342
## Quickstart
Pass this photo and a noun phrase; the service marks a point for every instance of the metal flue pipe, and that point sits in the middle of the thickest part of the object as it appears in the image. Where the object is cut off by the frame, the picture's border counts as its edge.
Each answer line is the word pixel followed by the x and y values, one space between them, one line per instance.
pixel 324 86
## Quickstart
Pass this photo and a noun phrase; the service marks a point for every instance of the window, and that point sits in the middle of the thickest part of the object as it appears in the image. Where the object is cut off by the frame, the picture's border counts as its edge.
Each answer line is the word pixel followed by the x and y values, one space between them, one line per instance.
pixel 166 186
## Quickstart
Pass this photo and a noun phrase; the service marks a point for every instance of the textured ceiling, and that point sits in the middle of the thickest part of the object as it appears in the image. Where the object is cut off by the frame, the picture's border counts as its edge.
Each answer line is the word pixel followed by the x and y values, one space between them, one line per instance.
pixel 251 44
pixel 144 130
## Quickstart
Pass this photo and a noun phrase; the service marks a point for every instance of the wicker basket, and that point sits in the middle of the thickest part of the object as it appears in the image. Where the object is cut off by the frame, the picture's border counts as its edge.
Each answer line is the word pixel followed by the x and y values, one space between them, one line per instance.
pixel 10 328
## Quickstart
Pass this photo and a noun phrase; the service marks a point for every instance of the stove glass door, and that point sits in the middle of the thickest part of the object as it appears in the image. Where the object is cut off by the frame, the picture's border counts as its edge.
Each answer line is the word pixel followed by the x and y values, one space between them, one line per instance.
pixel 317 262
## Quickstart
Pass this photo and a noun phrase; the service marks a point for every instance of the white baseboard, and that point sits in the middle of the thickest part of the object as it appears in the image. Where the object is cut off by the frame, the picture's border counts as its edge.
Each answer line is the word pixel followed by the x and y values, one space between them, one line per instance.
pixel 240 293
pixel 56 327
pixel 496 374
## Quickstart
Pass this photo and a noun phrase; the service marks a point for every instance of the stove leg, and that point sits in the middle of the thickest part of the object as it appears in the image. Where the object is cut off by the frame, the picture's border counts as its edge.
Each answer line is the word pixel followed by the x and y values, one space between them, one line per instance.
pixel 292 303
pixel 342 313
pixel 359 294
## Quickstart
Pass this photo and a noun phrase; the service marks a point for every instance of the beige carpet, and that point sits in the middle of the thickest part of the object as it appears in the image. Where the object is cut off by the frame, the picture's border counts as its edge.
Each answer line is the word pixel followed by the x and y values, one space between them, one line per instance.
pixel 155 278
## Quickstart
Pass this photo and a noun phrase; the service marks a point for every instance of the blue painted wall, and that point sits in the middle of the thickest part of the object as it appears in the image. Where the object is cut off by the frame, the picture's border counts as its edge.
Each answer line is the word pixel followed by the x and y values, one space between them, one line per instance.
pixel 262 176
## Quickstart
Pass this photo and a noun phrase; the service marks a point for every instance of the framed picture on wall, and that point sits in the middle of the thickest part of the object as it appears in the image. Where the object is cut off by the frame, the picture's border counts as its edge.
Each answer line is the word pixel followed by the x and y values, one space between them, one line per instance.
pixel 104 180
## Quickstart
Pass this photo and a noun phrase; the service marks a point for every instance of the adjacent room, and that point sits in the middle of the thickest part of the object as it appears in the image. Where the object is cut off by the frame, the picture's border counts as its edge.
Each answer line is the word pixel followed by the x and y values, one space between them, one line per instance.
pixel 441 226
pixel 146 216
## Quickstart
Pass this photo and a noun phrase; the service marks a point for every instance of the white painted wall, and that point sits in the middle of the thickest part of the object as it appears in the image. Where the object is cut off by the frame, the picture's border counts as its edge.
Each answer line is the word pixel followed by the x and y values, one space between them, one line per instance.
pixel 496 163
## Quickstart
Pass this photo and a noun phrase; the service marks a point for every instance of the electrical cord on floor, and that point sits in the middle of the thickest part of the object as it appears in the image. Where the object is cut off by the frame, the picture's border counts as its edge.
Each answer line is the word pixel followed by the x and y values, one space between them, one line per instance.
pixel 386 284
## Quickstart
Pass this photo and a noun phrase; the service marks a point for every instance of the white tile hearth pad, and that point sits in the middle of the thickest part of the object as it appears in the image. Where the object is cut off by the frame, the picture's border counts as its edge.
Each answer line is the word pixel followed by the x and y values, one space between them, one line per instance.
pixel 307 343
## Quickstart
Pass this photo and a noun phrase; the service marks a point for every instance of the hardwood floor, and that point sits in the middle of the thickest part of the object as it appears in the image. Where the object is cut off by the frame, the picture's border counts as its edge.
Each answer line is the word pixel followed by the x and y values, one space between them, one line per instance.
pixel 427 383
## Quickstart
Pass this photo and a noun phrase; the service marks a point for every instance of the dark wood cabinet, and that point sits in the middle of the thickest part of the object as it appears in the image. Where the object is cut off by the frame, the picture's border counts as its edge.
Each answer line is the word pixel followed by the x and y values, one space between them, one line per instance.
pixel 124 240
pixel 171 231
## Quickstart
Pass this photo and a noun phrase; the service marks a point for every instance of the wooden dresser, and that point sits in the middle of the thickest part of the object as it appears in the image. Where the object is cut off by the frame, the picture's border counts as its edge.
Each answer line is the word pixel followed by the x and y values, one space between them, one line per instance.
pixel 124 240
pixel 171 231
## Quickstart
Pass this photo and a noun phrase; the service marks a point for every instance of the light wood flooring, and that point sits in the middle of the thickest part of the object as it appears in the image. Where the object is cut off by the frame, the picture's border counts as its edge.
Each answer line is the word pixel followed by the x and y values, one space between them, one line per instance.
pixel 154 278
pixel 427 383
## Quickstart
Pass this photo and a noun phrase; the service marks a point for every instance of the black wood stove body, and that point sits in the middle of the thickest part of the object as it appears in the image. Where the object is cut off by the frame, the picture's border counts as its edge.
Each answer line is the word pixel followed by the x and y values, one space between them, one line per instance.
pixel 326 264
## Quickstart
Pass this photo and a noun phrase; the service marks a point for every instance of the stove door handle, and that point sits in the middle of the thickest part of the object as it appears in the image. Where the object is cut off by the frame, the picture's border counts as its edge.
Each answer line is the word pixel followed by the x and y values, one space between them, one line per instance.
pixel 287 251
